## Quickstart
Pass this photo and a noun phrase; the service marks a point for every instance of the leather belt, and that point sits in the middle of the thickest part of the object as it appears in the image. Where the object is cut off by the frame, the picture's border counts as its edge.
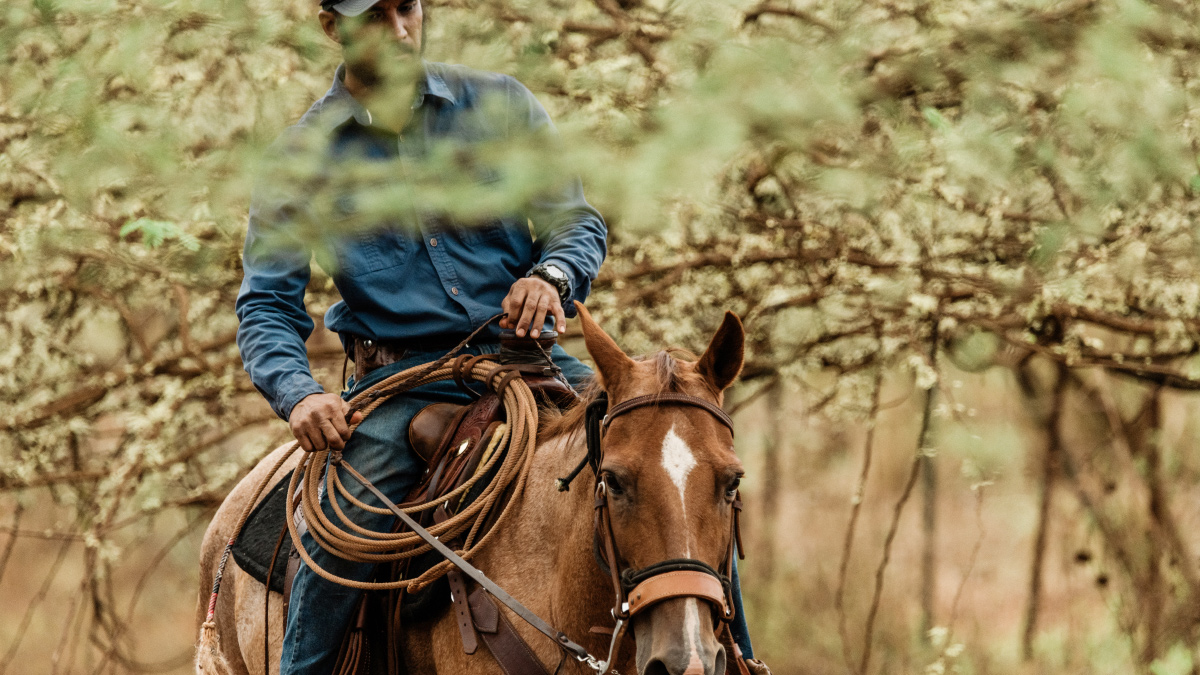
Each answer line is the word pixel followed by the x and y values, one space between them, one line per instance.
pixel 370 354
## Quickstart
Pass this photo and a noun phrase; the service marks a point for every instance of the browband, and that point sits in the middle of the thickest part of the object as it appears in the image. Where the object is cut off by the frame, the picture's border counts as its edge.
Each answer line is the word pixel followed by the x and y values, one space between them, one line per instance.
pixel 669 399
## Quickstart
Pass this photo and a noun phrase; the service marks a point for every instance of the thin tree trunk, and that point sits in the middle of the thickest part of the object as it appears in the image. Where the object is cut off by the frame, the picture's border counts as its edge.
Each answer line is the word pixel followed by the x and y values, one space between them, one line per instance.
pixel 851 527
pixel 1045 495
pixel 772 468
pixel 1166 627
pixel 929 491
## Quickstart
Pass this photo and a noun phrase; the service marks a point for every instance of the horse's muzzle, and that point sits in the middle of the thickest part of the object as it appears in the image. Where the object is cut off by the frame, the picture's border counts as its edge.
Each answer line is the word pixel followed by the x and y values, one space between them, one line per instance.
pixel 677 637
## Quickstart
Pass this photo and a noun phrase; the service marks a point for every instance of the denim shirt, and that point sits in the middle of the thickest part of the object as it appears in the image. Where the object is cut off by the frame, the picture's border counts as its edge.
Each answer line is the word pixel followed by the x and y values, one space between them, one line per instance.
pixel 427 281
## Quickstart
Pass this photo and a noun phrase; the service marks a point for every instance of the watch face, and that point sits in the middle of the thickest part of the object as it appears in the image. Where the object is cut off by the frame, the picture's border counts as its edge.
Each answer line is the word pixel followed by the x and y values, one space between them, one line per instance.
pixel 555 272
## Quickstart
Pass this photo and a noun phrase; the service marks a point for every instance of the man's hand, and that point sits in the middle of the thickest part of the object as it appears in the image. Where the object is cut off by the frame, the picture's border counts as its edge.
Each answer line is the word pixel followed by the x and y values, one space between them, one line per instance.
pixel 528 301
pixel 319 422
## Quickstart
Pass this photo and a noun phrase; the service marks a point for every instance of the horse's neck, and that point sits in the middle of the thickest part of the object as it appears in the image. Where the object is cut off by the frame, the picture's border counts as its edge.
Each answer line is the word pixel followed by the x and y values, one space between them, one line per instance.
pixel 550 552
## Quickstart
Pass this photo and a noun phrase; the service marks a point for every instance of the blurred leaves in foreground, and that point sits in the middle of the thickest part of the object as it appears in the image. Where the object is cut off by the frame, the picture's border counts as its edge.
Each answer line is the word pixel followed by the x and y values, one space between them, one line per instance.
pixel 854 178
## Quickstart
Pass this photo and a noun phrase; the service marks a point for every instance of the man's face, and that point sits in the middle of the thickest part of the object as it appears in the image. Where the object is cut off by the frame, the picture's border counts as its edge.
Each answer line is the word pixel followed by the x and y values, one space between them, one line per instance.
pixel 383 42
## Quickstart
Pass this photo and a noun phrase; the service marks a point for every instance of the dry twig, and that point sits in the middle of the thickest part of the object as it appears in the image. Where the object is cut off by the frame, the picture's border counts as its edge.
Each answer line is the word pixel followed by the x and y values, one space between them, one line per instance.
pixel 897 511
pixel 855 509
pixel 33 605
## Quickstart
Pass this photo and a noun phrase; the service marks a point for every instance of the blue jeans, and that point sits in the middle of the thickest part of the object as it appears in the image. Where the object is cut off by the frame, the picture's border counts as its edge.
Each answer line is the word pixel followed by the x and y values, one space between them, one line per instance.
pixel 321 610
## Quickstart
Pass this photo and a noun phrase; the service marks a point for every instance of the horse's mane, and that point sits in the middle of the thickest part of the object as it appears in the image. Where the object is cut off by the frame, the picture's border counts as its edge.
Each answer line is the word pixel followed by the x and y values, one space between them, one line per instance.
pixel 554 423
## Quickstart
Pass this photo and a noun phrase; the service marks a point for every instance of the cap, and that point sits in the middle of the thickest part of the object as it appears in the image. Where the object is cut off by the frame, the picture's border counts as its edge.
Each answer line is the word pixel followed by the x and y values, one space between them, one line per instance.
pixel 348 7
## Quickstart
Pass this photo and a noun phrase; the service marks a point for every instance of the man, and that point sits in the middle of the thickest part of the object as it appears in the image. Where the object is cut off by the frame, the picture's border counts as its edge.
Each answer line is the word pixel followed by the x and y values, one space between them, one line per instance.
pixel 410 291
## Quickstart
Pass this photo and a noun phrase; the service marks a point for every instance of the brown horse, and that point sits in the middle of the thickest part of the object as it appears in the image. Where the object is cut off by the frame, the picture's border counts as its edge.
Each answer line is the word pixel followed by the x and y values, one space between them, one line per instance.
pixel 671 475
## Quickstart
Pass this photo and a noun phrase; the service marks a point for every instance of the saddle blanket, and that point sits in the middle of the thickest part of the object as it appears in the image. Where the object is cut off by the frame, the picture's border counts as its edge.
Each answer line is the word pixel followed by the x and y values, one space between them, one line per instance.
pixel 255 545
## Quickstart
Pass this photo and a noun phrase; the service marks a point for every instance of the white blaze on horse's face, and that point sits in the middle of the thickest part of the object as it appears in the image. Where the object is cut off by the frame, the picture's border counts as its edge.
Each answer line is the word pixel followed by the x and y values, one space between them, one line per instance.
pixel 678 460
pixel 691 631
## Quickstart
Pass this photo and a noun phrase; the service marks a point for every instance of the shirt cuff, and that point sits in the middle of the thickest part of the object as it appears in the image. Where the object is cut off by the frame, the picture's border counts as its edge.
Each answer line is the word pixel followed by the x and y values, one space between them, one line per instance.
pixel 294 390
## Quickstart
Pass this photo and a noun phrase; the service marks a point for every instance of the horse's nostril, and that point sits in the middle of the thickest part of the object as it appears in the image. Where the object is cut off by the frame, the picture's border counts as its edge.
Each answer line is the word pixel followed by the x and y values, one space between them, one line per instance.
pixel 719 662
pixel 656 667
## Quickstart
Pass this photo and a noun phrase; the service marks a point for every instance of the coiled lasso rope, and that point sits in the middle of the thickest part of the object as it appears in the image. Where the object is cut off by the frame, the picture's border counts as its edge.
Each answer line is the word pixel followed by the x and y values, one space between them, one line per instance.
pixel 510 450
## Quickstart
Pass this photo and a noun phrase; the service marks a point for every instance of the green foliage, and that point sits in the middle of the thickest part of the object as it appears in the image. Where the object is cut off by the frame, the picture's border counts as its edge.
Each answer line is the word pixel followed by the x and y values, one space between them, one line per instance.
pixel 155 232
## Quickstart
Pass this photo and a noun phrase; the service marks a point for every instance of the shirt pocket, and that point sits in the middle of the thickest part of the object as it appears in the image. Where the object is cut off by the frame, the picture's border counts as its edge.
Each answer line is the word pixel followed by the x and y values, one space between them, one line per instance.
pixel 486 229
pixel 490 230
pixel 369 252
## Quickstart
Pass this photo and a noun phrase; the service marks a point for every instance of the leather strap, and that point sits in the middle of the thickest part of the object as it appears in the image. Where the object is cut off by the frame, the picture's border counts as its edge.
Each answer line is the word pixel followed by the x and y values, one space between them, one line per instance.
pixel 458 596
pixel 735 663
pixel 461 365
pixel 293 563
pixel 667 399
pixel 465 364
pixel 267 602
pixel 289 576
pixel 678 584
pixel 510 651
pixel 509 375
pixel 354 655
pixel 735 548
pixel 603 529
pixel 462 611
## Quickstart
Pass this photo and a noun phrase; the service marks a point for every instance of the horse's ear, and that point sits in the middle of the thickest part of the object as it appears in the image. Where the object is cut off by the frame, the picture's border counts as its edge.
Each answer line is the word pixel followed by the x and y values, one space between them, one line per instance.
pixel 722 361
pixel 612 364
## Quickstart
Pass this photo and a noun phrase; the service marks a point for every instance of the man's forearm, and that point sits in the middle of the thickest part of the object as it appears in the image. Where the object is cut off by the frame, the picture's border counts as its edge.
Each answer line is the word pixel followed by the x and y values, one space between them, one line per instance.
pixel 275 358
pixel 575 240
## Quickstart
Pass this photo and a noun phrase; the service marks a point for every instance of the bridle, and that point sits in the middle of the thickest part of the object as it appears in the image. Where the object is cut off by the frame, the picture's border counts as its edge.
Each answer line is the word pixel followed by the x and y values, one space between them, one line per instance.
pixel 638 590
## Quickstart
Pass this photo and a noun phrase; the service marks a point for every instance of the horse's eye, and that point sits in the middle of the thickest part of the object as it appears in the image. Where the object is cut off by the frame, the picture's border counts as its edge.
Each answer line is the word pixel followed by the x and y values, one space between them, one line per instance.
pixel 731 491
pixel 614 485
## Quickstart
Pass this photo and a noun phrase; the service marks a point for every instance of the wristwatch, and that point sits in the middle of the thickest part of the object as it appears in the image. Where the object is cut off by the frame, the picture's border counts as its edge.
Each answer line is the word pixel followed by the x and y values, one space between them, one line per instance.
pixel 556 277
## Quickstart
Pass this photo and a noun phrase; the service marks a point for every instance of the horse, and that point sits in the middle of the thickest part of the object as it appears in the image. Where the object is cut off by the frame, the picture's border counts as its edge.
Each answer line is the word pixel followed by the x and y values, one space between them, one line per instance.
pixel 671 477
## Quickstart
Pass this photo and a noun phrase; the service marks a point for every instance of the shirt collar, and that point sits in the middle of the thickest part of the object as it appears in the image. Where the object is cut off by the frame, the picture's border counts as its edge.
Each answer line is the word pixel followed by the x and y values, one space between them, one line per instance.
pixel 342 105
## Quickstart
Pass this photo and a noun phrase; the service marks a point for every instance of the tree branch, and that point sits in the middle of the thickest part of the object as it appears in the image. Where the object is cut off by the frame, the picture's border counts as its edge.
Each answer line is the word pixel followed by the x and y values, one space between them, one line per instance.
pixel 768 8
pixel 852 526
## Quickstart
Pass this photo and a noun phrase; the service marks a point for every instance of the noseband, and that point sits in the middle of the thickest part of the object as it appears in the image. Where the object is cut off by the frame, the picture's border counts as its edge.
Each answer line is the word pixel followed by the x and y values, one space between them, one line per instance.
pixel 638 590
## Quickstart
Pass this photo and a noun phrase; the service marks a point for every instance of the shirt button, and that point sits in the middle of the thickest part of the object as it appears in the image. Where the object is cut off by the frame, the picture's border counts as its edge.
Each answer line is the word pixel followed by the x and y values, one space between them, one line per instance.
pixel 454 290
pixel 433 242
